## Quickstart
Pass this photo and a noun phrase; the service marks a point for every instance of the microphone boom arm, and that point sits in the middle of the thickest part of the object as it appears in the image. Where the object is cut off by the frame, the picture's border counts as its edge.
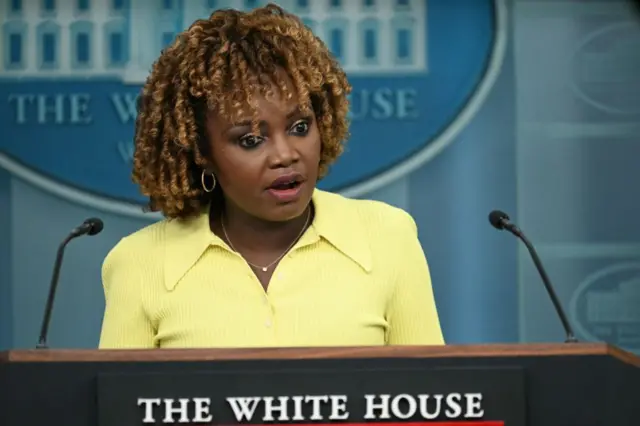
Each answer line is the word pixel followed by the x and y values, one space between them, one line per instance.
pixel 44 328
pixel 91 226
pixel 570 337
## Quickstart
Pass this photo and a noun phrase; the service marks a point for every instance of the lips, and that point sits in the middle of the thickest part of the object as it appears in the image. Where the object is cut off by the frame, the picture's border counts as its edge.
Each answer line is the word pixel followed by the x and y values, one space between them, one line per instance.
pixel 286 189
pixel 285 182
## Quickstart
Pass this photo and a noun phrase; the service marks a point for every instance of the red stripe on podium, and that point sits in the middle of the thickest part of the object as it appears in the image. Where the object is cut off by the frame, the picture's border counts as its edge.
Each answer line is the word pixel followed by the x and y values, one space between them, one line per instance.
pixel 452 423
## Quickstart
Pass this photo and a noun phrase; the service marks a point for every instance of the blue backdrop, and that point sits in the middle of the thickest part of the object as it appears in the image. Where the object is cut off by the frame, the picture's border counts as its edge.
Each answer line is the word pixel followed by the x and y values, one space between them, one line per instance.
pixel 523 106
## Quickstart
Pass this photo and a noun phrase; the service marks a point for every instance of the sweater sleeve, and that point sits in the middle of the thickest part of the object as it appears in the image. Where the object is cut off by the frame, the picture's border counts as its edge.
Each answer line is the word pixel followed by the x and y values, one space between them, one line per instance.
pixel 125 323
pixel 412 313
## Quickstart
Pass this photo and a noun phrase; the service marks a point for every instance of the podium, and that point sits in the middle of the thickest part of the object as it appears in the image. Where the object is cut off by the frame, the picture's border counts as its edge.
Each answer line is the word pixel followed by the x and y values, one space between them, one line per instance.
pixel 571 384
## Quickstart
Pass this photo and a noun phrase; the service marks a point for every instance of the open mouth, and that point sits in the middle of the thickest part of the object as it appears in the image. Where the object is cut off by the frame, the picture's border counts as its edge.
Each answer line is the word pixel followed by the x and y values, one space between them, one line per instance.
pixel 286 185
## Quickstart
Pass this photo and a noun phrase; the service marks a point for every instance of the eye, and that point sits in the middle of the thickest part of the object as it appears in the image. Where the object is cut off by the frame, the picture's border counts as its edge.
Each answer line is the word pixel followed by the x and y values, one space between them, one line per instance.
pixel 300 127
pixel 250 141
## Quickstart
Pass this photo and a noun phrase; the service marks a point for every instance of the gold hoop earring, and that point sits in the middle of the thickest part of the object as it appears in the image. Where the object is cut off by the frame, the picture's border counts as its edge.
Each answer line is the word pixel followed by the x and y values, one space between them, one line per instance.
pixel 204 185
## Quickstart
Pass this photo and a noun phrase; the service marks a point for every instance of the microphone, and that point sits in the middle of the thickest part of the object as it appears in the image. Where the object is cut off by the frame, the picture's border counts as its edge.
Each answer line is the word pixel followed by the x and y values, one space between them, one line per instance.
pixel 90 226
pixel 500 221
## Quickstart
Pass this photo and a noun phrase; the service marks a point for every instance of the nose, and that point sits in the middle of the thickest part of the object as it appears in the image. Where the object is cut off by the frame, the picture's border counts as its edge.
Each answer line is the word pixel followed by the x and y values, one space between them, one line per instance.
pixel 283 152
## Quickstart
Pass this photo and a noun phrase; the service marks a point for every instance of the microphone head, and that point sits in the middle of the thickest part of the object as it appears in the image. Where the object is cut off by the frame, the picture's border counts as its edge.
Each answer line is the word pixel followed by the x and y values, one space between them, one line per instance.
pixel 498 219
pixel 94 224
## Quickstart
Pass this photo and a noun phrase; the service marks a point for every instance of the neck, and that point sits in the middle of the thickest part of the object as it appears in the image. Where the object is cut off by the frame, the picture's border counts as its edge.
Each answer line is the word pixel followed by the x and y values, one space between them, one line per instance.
pixel 249 233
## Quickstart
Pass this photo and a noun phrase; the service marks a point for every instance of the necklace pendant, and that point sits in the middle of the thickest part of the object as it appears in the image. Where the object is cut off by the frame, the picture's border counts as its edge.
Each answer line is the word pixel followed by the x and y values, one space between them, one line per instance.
pixel 264 269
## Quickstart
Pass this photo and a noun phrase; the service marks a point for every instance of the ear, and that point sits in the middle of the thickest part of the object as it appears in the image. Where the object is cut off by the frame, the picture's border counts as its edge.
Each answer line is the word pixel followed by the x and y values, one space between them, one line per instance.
pixel 209 167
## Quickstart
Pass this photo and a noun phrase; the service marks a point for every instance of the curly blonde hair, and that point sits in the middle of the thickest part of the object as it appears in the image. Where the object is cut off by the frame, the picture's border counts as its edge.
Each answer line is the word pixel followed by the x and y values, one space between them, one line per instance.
pixel 220 64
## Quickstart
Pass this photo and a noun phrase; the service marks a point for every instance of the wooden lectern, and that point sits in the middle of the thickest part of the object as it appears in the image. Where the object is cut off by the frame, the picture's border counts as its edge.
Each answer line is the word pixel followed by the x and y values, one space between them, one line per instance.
pixel 571 384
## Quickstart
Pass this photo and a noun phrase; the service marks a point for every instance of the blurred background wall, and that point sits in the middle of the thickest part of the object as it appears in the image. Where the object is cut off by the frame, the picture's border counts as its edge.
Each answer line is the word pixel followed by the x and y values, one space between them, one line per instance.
pixel 459 107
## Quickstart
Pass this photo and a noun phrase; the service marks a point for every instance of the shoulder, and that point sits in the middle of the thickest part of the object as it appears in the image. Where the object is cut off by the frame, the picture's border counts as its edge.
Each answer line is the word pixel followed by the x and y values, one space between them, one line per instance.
pixel 143 239
pixel 386 217
pixel 158 252
pixel 375 217
pixel 134 250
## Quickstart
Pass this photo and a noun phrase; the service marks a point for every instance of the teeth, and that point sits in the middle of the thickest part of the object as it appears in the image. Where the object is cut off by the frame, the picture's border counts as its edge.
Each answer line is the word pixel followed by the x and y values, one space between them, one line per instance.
pixel 286 185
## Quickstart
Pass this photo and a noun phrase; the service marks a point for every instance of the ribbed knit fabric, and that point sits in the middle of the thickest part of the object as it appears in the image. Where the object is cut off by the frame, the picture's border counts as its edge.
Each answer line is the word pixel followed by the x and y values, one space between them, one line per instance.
pixel 358 276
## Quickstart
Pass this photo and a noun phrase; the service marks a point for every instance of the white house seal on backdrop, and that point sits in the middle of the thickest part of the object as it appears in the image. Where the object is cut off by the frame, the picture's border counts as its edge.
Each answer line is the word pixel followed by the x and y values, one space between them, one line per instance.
pixel 70 74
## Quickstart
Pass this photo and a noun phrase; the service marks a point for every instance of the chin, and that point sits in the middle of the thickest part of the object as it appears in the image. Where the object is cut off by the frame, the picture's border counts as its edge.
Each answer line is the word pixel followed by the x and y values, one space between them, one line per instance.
pixel 287 205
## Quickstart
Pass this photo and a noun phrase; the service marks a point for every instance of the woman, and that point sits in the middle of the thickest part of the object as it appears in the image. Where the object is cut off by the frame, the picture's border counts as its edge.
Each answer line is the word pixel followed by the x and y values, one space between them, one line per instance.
pixel 239 119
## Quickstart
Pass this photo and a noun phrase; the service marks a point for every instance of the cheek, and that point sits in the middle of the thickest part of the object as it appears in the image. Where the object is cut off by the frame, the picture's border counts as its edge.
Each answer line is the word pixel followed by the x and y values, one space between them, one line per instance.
pixel 316 141
pixel 310 151
pixel 235 168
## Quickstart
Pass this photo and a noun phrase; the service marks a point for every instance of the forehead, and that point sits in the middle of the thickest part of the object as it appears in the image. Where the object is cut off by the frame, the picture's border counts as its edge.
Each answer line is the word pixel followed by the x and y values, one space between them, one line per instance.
pixel 273 102
pixel 269 102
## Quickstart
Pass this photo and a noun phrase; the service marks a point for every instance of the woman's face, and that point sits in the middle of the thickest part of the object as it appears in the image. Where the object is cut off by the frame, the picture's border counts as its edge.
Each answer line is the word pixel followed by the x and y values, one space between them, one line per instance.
pixel 270 175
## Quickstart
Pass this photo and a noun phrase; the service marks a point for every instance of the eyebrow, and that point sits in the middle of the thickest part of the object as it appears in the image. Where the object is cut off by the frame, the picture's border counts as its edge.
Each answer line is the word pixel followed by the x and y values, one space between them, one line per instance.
pixel 296 111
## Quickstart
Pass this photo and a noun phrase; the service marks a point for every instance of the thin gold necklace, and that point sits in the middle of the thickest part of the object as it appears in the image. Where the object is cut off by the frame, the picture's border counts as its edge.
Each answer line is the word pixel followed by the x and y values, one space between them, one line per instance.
pixel 266 268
